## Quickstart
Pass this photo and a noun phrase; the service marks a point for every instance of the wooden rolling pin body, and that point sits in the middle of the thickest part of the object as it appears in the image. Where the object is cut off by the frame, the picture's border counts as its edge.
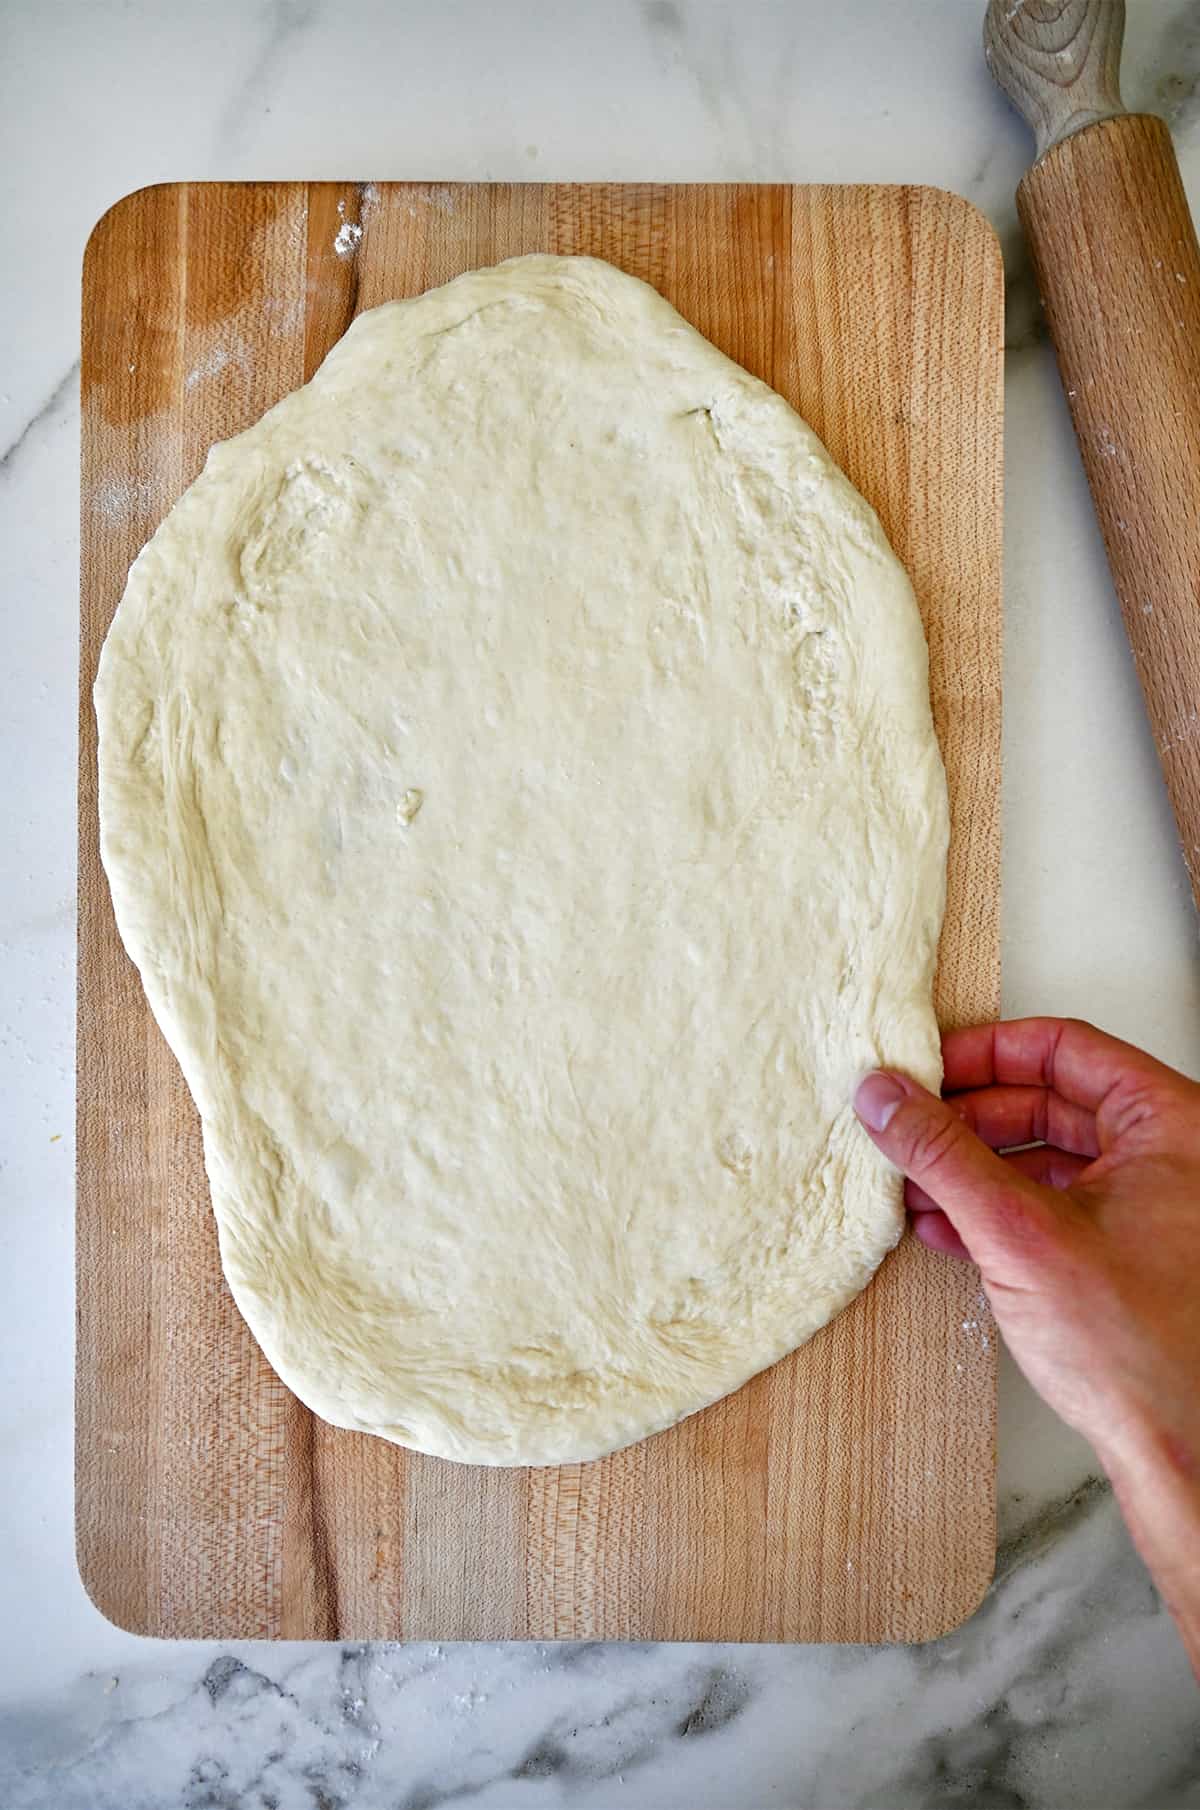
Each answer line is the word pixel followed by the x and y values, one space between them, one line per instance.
pixel 1118 269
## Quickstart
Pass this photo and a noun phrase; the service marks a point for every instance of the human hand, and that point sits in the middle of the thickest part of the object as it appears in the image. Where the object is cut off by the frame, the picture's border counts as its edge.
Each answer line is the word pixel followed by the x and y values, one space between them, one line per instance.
pixel 1088 1244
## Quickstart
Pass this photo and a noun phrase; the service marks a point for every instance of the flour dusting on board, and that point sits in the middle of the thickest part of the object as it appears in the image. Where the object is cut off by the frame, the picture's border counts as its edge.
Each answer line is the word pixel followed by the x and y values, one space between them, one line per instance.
pixel 117 499
pixel 937 1452
pixel 438 195
pixel 284 315
pixel 211 366
pixel 349 234
pixel 222 354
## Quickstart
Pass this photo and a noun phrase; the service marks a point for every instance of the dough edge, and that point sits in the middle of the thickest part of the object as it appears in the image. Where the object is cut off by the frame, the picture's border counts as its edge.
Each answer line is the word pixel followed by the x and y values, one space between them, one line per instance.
pixel 436 311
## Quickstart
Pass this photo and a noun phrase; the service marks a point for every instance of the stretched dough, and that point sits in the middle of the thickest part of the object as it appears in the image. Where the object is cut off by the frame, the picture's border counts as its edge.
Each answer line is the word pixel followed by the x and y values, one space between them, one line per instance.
pixel 519 794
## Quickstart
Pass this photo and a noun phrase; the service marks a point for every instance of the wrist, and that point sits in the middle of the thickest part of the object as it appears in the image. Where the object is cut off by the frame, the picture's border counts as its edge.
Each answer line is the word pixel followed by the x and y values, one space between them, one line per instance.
pixel 1156 1480
pixel 1141 1452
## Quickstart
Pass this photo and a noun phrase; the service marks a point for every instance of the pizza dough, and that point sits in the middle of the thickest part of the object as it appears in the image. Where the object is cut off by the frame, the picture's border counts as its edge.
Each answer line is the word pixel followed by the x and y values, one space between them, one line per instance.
pixel 519 795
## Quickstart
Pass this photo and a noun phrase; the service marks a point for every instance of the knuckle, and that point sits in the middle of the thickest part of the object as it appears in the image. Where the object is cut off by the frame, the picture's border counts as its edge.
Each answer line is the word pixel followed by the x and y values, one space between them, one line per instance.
pixel 933 1141
pixel 1134 1108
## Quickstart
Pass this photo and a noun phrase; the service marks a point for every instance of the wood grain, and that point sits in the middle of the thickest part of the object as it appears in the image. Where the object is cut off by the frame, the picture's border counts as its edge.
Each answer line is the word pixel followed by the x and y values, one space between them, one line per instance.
pixel 846 1494
pixel 1059 62
pixel 1118 268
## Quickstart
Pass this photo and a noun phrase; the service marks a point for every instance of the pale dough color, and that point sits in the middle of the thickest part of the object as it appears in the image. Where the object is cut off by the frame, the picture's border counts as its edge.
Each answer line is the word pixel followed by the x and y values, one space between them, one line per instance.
pixel 519 794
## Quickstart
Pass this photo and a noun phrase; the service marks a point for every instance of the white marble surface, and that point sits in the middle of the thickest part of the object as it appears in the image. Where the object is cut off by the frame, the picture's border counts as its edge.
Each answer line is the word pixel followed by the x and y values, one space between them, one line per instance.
pixel 1068 1687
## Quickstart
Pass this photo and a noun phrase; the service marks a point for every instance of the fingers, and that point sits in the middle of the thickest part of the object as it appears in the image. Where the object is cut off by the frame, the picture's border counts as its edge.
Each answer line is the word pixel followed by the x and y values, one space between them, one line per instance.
pixel 1052 1168
pixel 930 1224
pixel 991 1205
pixel 917 1201
pixel 1074 1059
pixel 1006 1116
pixel 935 1230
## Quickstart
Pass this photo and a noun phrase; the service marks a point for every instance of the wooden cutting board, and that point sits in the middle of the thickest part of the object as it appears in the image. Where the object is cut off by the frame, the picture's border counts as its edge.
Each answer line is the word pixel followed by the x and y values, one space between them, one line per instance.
pixel 846 1494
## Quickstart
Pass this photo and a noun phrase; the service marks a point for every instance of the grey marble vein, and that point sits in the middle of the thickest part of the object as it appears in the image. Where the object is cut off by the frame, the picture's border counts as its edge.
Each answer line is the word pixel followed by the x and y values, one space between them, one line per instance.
pixel 711 50
pixel 43 416
pixel 1032 1535
pixel 285 22
pixel 1017 1710
pixel 1068 1688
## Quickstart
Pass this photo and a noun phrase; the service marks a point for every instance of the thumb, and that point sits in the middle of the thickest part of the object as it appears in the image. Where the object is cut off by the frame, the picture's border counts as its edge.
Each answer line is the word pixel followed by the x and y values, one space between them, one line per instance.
pixel 988 1203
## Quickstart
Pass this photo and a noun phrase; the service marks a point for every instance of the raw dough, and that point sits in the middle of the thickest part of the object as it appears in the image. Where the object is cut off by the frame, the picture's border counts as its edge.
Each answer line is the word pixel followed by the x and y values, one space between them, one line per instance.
pixel 519 794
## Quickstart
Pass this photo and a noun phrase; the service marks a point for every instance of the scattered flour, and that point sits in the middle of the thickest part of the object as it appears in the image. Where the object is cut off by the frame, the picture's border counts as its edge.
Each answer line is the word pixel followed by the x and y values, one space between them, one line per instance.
pixel 211 366
pixel 117 498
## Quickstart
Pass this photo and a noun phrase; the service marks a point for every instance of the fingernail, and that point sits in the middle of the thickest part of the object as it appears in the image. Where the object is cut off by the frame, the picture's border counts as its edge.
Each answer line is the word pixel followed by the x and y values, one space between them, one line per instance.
pixel 876 1099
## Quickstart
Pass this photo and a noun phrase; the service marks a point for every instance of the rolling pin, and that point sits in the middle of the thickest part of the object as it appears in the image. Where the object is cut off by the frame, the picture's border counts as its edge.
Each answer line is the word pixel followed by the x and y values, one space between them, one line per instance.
pixel 1118 270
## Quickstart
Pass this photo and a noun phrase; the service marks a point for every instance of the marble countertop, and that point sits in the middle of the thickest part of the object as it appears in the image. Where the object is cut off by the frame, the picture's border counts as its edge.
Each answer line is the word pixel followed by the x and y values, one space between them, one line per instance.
pixel 1068 1686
